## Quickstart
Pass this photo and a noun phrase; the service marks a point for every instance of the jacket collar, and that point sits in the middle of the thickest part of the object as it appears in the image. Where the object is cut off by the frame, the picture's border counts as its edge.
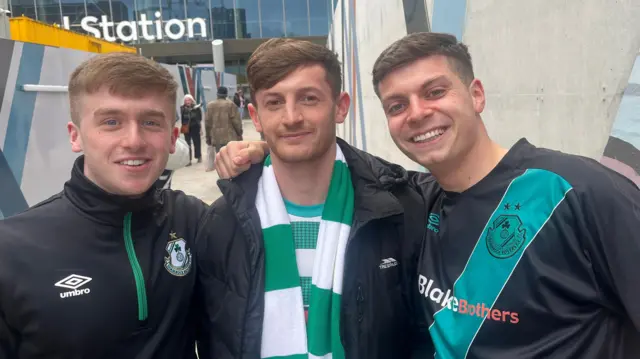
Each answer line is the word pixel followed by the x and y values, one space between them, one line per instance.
pixel 100 205
pixel 372 179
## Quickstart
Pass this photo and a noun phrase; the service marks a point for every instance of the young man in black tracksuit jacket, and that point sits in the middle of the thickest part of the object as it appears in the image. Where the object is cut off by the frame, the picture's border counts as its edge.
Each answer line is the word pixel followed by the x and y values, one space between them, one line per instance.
pixel 106 268
pixel 376 312
pixel 85 274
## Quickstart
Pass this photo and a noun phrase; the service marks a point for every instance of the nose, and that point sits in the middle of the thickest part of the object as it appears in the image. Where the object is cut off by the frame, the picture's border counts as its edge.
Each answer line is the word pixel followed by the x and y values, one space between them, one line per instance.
pixel 419 109
pixel 133 137
pixel 292 115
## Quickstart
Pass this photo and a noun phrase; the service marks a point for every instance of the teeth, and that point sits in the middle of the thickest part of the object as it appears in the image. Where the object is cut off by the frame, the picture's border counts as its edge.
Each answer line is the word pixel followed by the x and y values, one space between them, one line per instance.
pixel 431 135
pixel 133 162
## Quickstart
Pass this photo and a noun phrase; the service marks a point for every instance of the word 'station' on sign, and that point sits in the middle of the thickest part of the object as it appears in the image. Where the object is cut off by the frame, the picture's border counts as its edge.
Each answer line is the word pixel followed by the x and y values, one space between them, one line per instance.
pixel 127 31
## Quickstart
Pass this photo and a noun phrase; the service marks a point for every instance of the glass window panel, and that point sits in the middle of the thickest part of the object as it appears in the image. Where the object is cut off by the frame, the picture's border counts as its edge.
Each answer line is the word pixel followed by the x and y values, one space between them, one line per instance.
pixel 98 9
pixel 123 10
pixel 247 19
pixel 147 9
pixel 23 7
pixel 173 9
pixel 200 9
pixel 74 11
pixel 319 11
pixel 49 11
pixel 272 18
pixel 222 15
pixel 296 18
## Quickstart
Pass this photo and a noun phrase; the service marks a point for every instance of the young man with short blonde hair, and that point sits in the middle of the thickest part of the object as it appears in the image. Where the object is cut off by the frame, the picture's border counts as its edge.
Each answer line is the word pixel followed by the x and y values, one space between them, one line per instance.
pixel 106 267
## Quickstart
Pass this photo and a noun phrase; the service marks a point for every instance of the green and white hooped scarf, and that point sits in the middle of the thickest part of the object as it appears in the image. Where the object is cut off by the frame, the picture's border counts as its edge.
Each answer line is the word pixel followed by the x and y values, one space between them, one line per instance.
pixel 284 333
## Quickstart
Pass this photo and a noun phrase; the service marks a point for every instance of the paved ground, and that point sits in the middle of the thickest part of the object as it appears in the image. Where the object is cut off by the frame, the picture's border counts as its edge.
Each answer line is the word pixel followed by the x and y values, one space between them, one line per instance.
pixel 194 180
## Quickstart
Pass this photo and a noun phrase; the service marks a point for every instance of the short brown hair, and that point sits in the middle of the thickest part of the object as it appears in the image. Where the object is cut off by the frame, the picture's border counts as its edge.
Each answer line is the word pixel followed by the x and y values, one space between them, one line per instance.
pixel 124 74
pixel 277 58
pixel 420 45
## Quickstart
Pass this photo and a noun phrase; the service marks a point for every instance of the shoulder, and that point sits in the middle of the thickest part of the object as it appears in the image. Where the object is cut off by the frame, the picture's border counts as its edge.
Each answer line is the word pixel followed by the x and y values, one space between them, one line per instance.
pixel 180 202
pixel 587 178
pixel 220 230
pixel 220 213
pixel 35 222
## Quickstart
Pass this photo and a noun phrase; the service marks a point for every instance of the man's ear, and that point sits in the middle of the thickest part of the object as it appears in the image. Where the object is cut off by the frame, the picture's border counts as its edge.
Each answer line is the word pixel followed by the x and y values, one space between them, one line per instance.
pixel 74 137
pixel 175 133
pixel 253 113
pixel 342 107
pixel 477 94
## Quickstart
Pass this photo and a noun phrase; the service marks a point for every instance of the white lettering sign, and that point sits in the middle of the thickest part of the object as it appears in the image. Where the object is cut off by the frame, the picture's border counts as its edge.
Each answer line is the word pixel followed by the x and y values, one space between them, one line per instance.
pixel 128 31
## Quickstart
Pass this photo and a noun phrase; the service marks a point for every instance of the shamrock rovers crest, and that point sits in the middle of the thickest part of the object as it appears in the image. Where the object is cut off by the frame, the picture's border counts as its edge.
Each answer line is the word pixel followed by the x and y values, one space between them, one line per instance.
pixel 506 236
pixel 178 262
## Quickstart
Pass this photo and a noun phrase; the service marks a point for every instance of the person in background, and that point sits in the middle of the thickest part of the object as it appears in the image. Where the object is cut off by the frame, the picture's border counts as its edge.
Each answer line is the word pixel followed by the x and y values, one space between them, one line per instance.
pixel 222 123
pixel 239 100
pixel 191 115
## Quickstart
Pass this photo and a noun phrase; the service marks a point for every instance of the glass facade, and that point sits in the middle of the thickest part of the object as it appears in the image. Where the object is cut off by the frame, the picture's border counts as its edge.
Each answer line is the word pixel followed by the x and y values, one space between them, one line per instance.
pixel 142 21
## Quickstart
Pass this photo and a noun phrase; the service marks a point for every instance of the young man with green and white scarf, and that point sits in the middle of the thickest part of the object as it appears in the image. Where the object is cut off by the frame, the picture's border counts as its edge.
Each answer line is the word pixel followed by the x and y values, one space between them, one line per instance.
pixel 316 246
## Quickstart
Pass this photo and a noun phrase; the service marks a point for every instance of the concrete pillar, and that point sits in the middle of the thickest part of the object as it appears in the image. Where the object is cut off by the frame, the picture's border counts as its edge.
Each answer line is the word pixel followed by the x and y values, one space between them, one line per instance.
pixel 4 20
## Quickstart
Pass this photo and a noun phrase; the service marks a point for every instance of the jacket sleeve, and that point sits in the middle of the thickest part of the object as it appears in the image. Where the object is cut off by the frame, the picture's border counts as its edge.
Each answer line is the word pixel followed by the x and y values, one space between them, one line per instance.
pixel 611 207
pixel 200 112
pixel 225 276
pixel 183 121
pixel 236 121
pixel 208 121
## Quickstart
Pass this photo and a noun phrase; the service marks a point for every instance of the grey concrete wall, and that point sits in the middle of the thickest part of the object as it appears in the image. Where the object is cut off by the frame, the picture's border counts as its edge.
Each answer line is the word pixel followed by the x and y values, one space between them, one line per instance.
pixel 4 20
pixel 359 34
pixel 554 71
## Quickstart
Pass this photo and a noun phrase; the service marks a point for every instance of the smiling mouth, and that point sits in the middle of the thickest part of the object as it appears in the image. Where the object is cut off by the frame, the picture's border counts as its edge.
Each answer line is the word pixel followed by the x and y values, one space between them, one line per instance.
pixel 429 136
pixel 294 135
pixel 134 163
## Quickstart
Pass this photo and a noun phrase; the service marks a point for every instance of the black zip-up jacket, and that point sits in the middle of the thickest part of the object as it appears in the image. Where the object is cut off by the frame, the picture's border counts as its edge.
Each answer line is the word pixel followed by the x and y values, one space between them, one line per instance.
pixel 191 115
pixel 376 314
pixel 86 274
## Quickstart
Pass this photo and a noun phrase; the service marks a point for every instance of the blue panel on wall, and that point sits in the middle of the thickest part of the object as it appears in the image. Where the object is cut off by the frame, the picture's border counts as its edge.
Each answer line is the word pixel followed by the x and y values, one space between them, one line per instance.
pixel 11 199
pixel 22 107
pixel 449 16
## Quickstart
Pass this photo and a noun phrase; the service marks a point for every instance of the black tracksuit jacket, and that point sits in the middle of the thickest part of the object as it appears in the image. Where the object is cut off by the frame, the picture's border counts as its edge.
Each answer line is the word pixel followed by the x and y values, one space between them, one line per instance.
pixel 86 274
pixel 377 320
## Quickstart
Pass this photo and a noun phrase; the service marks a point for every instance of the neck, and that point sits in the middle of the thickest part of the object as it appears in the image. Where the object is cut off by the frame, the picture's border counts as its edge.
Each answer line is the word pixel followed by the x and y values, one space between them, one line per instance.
pixel 305 183
pixel 475 165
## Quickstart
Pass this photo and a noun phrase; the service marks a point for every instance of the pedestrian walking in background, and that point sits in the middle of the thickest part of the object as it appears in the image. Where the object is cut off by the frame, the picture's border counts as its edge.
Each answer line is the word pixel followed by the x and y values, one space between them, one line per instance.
pixel 191 115
pixel 222 124
pixel 239 100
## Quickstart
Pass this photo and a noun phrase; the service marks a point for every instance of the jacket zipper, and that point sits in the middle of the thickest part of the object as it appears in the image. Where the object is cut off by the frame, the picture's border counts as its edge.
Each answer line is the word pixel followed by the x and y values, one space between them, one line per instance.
pixel 137 271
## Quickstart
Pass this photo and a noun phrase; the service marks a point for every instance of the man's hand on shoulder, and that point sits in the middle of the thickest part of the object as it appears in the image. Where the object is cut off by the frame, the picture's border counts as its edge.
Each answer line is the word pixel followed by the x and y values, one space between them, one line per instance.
pixel 237 156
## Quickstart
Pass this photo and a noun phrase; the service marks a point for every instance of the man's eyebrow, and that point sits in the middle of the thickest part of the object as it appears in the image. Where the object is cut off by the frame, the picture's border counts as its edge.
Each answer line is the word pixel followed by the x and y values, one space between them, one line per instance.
pixel 424 85
pixel 151 113
pixel 107 112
